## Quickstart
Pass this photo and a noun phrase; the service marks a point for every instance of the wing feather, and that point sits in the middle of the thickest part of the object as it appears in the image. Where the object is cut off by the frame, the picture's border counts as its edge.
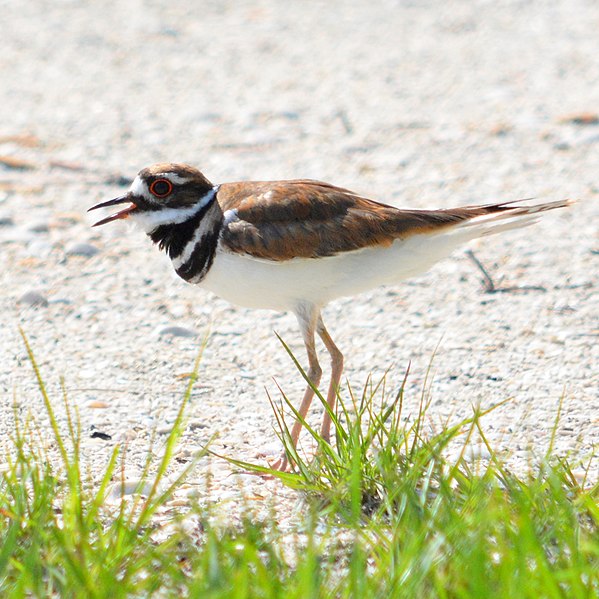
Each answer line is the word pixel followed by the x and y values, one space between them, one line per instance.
pixel 282 220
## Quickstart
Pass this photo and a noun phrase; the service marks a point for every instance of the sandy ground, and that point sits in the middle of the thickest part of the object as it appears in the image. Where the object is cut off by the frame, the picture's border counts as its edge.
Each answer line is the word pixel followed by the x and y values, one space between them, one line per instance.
pixel 420 104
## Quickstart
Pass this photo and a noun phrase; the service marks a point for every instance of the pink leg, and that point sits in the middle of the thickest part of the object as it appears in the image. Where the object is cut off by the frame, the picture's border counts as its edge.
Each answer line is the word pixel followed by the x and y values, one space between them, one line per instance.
pixel 336 370
pixel 308 317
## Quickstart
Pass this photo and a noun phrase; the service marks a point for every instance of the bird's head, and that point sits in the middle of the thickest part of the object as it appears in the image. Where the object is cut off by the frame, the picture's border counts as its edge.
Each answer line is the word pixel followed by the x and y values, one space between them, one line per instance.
pixel 162 194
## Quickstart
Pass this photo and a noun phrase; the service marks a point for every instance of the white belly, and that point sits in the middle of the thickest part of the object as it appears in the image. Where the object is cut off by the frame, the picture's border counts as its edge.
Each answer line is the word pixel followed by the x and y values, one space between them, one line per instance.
pixel 254 283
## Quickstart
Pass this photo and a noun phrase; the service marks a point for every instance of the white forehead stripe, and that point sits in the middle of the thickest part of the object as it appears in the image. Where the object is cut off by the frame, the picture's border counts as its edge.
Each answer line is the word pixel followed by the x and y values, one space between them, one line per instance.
pixel 174 178
pixel 139 188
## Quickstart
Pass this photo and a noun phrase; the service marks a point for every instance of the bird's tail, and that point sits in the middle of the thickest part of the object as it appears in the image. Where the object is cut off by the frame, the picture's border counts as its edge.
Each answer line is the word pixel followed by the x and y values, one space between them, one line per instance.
pixel 495 218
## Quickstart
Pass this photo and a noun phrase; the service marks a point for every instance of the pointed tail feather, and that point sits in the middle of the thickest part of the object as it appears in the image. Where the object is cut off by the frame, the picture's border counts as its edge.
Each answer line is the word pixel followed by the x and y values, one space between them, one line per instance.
pixel 496 218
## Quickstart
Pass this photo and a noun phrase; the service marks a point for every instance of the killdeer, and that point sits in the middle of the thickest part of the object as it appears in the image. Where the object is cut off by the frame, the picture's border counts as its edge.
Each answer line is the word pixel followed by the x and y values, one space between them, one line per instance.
pixel 296 245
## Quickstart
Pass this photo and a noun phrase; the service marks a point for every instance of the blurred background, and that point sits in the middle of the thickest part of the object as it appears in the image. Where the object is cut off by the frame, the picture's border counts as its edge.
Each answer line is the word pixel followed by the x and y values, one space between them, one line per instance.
pixel 413 94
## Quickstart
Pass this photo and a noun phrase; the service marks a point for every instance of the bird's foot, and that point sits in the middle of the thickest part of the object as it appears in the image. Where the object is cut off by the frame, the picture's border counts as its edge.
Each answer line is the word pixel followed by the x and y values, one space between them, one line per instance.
pixel 282 464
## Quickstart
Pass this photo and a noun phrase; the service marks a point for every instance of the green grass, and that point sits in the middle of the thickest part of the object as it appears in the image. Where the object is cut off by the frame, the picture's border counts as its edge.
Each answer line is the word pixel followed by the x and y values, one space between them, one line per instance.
pixel 386 514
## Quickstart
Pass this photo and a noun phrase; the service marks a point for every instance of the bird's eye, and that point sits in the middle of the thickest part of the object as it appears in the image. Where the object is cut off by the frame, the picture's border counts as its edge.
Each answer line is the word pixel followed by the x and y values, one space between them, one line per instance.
pixel 161 188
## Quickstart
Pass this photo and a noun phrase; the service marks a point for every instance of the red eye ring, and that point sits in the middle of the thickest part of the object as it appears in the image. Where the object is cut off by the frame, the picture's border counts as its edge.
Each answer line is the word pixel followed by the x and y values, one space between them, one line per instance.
pixel 161 188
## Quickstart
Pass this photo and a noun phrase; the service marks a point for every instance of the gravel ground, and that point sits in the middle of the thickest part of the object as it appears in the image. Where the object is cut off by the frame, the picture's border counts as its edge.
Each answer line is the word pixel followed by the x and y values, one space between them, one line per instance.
pixel 421 104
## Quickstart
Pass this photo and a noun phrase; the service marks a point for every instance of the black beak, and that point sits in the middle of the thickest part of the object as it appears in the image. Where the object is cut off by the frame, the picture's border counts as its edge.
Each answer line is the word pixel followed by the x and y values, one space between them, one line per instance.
pixel 117 215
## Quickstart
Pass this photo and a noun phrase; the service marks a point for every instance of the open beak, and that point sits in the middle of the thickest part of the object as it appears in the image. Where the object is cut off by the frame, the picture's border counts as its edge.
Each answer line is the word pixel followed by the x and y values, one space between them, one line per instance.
pixel 117 215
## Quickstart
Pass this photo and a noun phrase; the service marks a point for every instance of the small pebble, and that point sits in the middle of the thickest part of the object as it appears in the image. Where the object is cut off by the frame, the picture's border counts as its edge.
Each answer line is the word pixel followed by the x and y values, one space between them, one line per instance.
pixel 129 487
pixel 6 221
pixel 39 248
pixel 39 227
pixel 82 249
pixel 175 331
pixel 128 435
pixel 164 430
pixel 178 503
pixel 196 424
pixel 100 435
pixel 588 139
pixel 33 298
pixel 190 451
pixel 181 457
pixel 178 311
pixel 97 404
pixel 227 495
pixel 225 330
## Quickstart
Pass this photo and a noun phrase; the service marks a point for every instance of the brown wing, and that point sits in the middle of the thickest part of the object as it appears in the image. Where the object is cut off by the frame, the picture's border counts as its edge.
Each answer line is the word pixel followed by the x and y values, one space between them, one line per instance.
pixel 281 220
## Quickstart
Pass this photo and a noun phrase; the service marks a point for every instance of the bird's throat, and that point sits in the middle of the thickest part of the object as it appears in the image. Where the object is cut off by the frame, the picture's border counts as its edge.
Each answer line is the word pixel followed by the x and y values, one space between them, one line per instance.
pixel 191 244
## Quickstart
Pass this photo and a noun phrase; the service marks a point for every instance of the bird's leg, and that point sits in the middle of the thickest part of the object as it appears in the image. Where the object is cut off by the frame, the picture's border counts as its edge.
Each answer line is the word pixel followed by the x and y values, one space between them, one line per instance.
pixel 307 317
pixel 307 320
pixel 336 370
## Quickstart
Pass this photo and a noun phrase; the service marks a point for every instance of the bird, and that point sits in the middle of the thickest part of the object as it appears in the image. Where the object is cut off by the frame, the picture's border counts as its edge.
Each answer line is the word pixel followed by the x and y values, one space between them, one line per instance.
pixel 295 245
